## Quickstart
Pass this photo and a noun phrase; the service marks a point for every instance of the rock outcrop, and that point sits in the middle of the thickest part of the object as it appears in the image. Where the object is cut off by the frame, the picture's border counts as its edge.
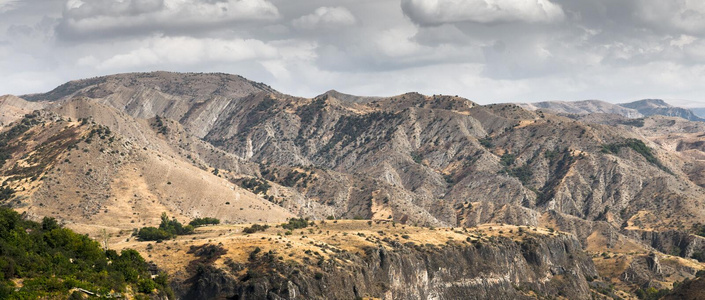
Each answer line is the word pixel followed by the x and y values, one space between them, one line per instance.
pixel 497 269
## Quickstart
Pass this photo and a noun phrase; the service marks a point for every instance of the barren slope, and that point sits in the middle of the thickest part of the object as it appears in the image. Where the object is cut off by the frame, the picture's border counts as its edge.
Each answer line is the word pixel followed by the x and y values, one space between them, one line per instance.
pixel 91 178
pixel 12 108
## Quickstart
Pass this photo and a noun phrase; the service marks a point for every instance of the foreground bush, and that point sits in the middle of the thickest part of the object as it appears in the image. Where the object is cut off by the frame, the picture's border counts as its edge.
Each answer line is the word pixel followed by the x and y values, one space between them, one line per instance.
pixel 51 261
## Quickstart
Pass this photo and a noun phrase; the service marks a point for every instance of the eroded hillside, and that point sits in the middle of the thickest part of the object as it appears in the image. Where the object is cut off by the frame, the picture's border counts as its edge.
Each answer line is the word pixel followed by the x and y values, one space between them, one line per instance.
pixel 92 178
pixel 115 152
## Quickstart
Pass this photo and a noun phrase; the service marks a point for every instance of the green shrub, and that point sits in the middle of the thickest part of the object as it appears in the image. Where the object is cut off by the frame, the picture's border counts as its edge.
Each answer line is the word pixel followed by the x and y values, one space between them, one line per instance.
pixel 198 222
pixel 168 229
pixel 699 256
pixel 296 223
pixel 507 159
pixel 153 234
pixel 639 147
pixel 486 142
pixel 255 228
pixel 6 193
pixel 700 273
pixel 146 286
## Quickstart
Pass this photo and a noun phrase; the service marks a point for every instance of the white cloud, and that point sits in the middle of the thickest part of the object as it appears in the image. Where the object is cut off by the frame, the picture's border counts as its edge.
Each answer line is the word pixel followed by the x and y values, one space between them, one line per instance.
pixel 7 5
pixel 86 18
pixel 683 40
pixel 184 51
pixel 482 11
pixel 326 17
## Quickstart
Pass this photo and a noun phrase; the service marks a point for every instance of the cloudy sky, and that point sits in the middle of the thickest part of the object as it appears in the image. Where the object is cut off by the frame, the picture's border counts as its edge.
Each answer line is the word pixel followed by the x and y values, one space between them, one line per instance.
pixel 485 50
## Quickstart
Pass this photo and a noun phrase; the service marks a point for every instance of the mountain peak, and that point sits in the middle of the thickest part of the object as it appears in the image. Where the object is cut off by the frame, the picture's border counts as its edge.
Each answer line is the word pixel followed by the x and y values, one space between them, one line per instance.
pixel 654 103
pixel 650 107
pixel 182 84
pixel 349 98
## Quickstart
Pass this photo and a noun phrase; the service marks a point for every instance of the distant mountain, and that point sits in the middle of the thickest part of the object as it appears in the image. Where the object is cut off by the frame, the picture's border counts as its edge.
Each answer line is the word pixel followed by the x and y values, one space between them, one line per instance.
pixel 699 111
pixel 651 107
pixel 632 110
pixel 582 108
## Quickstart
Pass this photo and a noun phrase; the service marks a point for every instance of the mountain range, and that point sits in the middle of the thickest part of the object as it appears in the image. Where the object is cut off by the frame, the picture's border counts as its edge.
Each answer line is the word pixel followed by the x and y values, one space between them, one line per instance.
pixel 623 184
pixel 633 110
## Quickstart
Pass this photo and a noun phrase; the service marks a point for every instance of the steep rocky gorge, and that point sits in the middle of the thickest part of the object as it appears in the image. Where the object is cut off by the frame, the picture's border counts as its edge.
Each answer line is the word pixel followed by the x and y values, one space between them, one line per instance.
pixel 523 266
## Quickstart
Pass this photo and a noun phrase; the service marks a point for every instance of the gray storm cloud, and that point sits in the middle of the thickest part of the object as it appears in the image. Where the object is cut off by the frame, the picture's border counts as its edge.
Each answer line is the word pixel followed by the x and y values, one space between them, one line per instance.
pixel 100 17
pixel 486 50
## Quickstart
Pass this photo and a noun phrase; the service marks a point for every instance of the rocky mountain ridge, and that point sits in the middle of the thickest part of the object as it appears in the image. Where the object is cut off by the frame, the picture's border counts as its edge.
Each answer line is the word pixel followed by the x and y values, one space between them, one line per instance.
pixel 584 107
pixel 631 110
pixel 651 107
pixel 618 184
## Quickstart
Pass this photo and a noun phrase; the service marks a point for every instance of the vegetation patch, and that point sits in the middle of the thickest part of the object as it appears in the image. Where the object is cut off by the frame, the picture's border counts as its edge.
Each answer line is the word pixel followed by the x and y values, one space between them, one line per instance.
pixel 6 149
pixel 255 228
pixel 255 185
pixel 45 154
pixel 309 112
pixel 198 222
pixel 160 126
pixel 296 223
pixel 207 254
pixel 349 128
pixel 651 293
pixel 639 147
pixel 51 261
pixel 634 122
pixel 293 177
pixel 6 193
pixel 169 228
pixel 260 113
pixel 561 162
pixel 102 132
pixel 507 159
pixel 523 173
pixel 486 142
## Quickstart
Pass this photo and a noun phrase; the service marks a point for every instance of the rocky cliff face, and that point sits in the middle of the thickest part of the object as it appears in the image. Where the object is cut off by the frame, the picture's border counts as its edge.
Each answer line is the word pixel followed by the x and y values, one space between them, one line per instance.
pixel 498 268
